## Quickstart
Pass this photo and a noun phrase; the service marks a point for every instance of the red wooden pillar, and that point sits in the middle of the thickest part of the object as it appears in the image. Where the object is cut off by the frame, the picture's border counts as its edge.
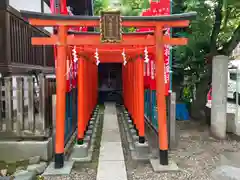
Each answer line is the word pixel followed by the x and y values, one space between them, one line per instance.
pixel 135 95
pixel 140 99
pixel 125 87
pixel 85 92
pixel 60 97
pixel 90 90
pixel 61 91
pixel 81 77
pixel 96 91
pixel 95 85
pixel 88 93
pixel 131 86
pixel 161 103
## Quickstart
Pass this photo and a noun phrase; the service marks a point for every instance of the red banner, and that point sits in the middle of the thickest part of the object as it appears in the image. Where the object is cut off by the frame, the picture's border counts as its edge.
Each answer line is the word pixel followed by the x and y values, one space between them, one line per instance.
pixel 157 9
pixel 152 78
pixel 71 74
pixel 147 75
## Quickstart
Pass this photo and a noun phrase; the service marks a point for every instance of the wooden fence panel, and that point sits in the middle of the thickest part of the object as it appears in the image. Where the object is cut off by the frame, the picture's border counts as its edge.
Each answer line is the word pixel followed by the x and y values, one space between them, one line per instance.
pixel 26 108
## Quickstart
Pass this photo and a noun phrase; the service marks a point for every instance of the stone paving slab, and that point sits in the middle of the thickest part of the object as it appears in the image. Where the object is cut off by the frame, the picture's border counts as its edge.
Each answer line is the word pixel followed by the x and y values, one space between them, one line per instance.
pixel 66 170
pixel 230 158
pixel 111 151
pixel 226 173
pixel 111 118
pixel 25 175
pixel 112 170
pixel 111 136
pixel 111 165
pixel 110 126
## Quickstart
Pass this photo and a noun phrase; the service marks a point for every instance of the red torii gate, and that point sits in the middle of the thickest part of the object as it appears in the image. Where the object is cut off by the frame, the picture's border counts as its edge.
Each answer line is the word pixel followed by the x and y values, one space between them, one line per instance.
pixel 87 44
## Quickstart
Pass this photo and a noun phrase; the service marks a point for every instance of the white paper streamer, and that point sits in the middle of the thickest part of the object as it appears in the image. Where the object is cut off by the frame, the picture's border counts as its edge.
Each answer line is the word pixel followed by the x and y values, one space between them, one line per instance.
pixel 146 59
pixel 97 57
pixel 124 57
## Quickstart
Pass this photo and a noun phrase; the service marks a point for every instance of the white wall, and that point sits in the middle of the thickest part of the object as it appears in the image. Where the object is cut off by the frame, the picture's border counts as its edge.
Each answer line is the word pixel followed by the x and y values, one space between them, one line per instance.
pixel 47 9
pixel 30 5
pixel 236 52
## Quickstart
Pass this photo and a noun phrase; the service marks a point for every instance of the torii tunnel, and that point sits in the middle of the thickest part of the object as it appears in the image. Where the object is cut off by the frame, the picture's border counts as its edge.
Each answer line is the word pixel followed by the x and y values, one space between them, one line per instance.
pixel 132 71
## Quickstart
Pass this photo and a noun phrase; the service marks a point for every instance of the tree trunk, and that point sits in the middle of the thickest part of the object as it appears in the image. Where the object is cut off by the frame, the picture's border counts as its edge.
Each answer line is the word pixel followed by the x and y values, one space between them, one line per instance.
pixel 198 105
pixel 176 86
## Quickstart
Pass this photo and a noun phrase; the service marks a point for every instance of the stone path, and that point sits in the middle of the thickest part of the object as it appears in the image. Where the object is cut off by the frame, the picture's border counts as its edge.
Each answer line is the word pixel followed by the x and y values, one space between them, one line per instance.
pixel 111 165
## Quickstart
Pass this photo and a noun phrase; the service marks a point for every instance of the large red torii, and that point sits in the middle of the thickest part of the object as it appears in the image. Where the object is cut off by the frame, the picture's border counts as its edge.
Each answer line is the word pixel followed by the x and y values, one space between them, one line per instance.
pixel 87 43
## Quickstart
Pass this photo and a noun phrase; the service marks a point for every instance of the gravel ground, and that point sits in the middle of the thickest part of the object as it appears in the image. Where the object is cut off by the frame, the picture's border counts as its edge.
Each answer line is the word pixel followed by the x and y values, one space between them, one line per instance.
pixel 84 171
pixel 197 154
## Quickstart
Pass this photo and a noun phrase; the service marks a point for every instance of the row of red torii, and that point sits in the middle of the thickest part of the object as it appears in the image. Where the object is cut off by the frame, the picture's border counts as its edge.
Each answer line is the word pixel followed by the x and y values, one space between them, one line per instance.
pixel 133 79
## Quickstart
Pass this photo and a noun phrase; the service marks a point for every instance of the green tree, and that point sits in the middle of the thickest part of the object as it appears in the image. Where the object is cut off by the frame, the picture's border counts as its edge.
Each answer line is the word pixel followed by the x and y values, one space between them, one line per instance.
pixel 100 5
pixel 216 31
pixel 127 8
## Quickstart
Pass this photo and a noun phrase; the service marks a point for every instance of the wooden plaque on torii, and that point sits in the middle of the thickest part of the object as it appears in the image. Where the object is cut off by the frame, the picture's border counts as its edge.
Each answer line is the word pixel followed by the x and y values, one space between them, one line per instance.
pixel 110 27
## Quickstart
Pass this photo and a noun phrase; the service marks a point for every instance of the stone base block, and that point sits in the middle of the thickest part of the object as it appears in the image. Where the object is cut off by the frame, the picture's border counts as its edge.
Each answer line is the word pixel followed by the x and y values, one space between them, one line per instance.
pixel 92 120
pixel 141 148
pixel 125 128
pixel 90 126
pixel 84 159
pixel 80 151
pixel 84 154
pixel 130 126
pixel 129 121
pixel 89 132
pixel 129 138
pixel 94 133
pixel 66 170
pixel 14 151
pixel 131 147
pixel 91 123
pixel 91 149
pixel 92 145
pixel 135 137
pixel 140 157
pixel 133 132
pixel 157 167
pixel 87 140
